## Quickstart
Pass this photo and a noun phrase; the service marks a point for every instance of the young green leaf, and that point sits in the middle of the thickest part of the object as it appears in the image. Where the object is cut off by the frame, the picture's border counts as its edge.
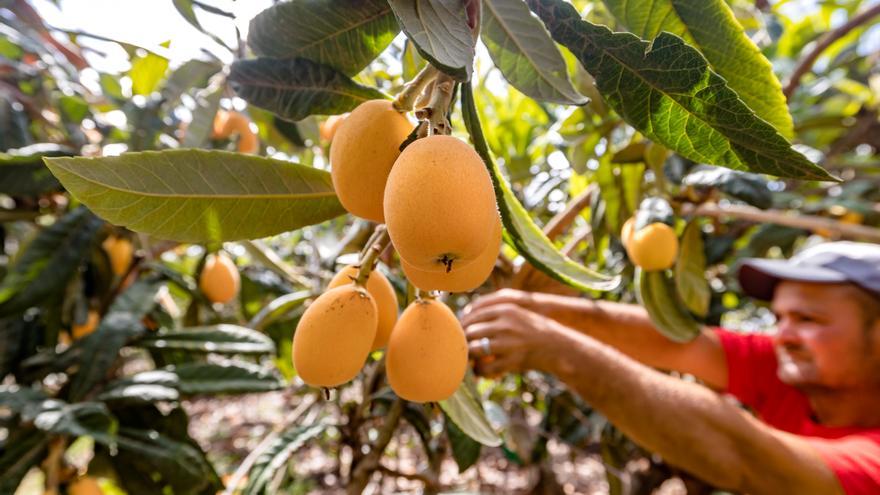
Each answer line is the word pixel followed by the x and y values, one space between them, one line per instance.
pixel 528 239
pixel 48 261
pixel 439 29
pixel 522 49
pixel 296 88
pixel 344 34
pixel 464 408
pixel 276 455
pixel 667 91
pixel 711 26
pixel 200 196
pixel 656 294
pixel 690 271
pixel 147 72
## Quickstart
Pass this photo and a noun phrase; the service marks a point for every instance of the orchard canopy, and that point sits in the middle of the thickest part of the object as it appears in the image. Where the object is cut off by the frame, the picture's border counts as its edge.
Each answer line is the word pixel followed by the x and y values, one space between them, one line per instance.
pixel 236 238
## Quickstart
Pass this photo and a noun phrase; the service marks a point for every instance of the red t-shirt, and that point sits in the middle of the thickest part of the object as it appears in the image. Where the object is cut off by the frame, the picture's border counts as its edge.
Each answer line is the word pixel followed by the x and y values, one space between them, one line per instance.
pixel 852 453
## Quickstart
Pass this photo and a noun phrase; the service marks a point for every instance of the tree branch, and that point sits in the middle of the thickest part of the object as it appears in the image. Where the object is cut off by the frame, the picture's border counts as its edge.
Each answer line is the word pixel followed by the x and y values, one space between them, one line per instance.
pixel 808 222
pixel 360 477
pixel 807 62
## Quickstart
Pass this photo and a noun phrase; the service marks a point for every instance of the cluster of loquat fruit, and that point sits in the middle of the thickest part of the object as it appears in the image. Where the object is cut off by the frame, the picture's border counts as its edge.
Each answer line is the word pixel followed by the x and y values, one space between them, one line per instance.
pixel 438 204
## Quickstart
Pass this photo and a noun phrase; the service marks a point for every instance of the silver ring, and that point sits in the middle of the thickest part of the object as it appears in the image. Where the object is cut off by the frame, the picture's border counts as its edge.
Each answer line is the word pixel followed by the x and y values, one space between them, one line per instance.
pixel 484 345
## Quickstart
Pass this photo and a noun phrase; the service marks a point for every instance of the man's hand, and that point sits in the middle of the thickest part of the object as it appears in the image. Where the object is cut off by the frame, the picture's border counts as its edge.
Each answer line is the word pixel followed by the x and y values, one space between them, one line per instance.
pixel 517 339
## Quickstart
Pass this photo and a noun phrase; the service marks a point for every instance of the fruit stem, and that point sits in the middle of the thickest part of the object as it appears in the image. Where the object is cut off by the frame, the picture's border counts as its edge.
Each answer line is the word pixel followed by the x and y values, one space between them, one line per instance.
pixel 438 106
pixel 411 90
pixel 377 244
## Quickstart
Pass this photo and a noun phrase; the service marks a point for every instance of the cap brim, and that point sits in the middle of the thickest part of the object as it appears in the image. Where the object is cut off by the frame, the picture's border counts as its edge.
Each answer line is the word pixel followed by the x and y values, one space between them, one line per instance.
pixel 758 277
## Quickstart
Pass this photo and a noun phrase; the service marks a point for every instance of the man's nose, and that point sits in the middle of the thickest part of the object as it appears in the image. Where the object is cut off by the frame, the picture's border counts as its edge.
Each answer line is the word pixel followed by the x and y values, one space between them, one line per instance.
pixel 786 332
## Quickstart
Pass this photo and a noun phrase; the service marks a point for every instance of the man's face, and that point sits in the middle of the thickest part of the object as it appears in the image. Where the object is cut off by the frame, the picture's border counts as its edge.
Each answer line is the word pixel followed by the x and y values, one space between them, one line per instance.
pixel 822 341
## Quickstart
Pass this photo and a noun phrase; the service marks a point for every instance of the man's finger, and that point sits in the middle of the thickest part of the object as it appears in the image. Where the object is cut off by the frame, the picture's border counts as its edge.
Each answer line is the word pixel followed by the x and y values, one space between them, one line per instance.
pixel 488 329
pixel 497 347
pixel 488 313
pixel 493 368
pixel 497 297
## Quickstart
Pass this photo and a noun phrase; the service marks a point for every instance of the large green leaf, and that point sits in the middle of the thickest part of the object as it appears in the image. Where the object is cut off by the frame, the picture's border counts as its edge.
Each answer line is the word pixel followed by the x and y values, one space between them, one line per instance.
pixel 91 419
pixel 277 454
pixel 207 103
pixel 193 73
pixel 165 460
pixel 466 411
pixel 439 30
pixel 751 188
pixel 15 399
pixel 690 271
pixel 527 237
pixel 23 449
pixel 297 87
pixel 344 34
pixel 711 26
pixel 200 196
pixel 221 339
pixel 22 172
pixel 667 91
pixel 522 49
pixel 465 450
pixel 147 386
pixel 223 377
pixel 48 261
pixel 656 293
pixel 98 351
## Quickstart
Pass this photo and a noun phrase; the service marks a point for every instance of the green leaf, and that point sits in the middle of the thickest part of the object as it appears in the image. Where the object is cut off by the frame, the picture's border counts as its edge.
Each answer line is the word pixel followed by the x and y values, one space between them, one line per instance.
pixel 201 125
pixel 164 460
pixel 279 308
pixel 147 386
pixel 185 7
pixel 344 34
pixel 15 398
pixel 193 73
pixel 439 29
pixel 656 293
pixel 91 419
pixel 751 188
pixel 276 455
pixel 97 352
pixel 690 271
pixel 667 91
pixel 22 172
pixel 527 237
pixel 296 88
pixel 465 450
pixel 23 450
pixel 147 72
pixel 48 261
pixel 466 411
pixel 711 26
pixel 200 196
pixel 221 339
pixel 226 377
pixel 522 49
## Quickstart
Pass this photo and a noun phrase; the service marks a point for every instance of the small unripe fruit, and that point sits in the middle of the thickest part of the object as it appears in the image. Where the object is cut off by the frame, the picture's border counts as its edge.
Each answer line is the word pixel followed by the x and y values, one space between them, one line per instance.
pixel 626 232
pixel 462 279
pixel 654 247
pixel 219 281
pixel 439 204
pixel 362 153
pixel 120 251
pixel 85 486
pixel 334 336
pixel 383 295
pixel 427 353
pixel 89 326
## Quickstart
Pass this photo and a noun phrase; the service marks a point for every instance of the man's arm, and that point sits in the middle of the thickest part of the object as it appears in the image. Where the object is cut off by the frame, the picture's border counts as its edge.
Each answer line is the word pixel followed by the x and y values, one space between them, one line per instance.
pixel 625 327
pixel 687 424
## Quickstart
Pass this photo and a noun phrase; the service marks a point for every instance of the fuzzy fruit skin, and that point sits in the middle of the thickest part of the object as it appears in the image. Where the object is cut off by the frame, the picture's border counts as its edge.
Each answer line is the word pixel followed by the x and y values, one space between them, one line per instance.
pixel 654 247
pixel 334 335
pixel 120 251
pixel 91 323
pixel 427 353
pixel 439 203
pixel 363 150
pixel 219 280
pixel 626 232
pixel 462 279
pixel 383 295
pixel 85 486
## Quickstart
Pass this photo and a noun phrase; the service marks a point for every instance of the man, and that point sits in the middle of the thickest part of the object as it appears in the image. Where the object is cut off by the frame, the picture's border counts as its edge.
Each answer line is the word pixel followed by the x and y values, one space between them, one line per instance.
pixel 814 385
